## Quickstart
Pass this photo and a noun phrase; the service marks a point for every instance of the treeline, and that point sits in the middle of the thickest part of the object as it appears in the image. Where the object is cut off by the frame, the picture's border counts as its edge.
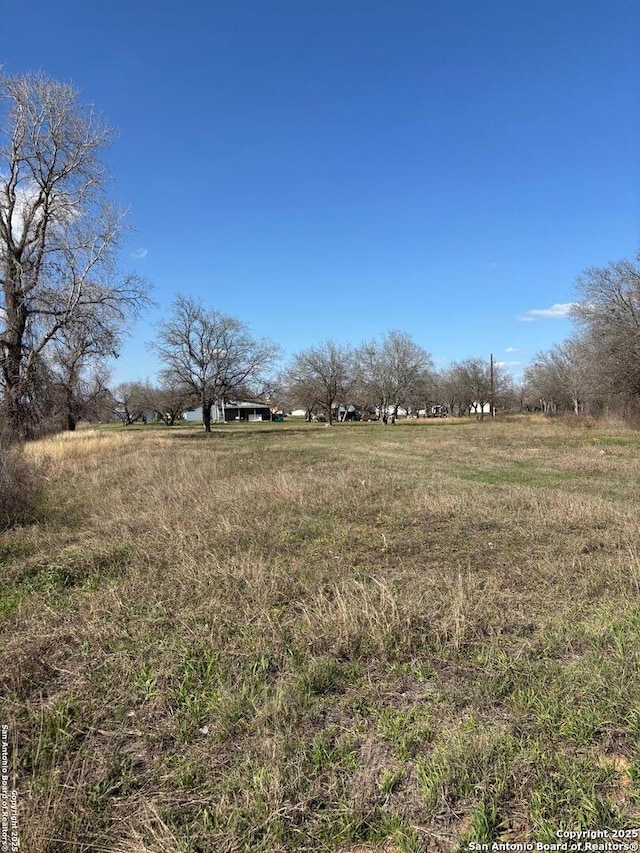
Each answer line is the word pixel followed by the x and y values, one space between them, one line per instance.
pixel 597 370
pixel 66 307
pixel 386 375
pixel 383 376
pixel 207 356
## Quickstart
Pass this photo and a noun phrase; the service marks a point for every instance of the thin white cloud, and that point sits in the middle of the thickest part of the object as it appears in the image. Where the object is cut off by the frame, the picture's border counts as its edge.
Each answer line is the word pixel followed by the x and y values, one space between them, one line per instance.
pixel 140 253
pixel 559 311
pixel 508 363
pixel 512 349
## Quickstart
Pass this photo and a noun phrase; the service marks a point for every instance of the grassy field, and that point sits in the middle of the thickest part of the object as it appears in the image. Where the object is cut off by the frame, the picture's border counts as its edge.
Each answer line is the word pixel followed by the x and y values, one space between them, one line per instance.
pixel 295 637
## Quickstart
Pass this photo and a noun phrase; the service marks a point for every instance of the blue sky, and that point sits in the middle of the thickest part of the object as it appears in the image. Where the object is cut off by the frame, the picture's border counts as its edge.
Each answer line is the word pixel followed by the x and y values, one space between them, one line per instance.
pixel 339 168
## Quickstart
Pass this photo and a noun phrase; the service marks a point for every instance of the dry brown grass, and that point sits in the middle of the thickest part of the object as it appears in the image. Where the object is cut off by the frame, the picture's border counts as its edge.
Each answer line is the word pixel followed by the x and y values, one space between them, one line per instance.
pixel 304 639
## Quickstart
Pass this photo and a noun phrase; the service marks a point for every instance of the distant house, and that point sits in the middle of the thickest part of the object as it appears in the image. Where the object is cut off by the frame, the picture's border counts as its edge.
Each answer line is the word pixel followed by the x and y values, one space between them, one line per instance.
pixel 234 410
pixel 477 409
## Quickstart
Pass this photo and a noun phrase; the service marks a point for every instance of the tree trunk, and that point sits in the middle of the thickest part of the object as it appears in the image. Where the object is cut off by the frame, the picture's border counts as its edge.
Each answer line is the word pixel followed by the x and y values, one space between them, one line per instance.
pixel 68 402
pixel 15 412
pixel 206 415
pixel 13 416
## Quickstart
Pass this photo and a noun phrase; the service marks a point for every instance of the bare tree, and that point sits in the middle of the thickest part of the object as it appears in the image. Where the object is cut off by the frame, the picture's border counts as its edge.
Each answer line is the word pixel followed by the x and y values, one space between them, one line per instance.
pixel 298 390
pixel 58 235
pixel 522 395
pixel 452 391
pixel 40 403
pixel 394 372
pixel 324 375
pixel 560 377
pixel 476 387
pixel 608 314
pixel 92 396
pixel 129 402
pixel 545 383
pixel 76 355
pixel 372 378
pixel 166 401
pixel 475 378
pixel 210 354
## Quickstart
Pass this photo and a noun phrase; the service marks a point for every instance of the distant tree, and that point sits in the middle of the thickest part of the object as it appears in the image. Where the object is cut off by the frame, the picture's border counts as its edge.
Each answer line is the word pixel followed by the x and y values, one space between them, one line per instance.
pixel 394 372
pixel 504 393
pixel 562 377
pixel 323 376
pixel 76 355
pixel 608 314
pixel 411 369
pixel 167 402
pixel 97 400
pixel 476 388
pixel 128 402
pixel 522 395
pixel 58 236
pixel 452 391
pixel 210 354
pixel 421 393
pixel 297 392
pixel 546 384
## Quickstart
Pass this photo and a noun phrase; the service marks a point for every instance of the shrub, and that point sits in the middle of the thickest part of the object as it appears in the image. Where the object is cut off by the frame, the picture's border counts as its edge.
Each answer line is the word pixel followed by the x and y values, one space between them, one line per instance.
pixel 20 480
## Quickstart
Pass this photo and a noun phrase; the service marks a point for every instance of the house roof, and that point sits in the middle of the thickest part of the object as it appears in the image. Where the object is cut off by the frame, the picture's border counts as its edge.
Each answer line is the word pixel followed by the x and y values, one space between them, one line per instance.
pixel 246 405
